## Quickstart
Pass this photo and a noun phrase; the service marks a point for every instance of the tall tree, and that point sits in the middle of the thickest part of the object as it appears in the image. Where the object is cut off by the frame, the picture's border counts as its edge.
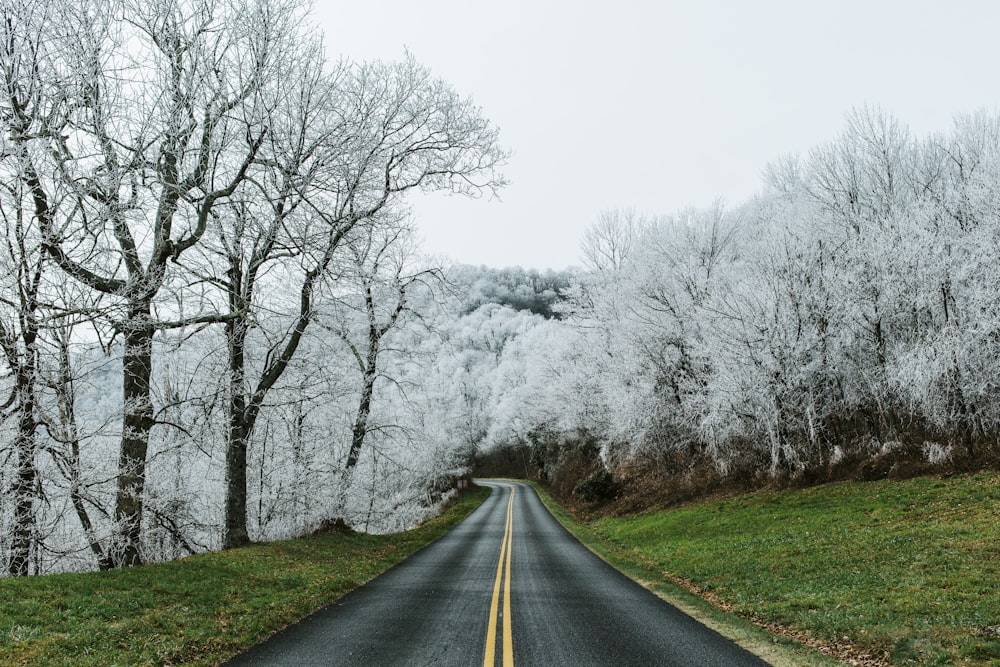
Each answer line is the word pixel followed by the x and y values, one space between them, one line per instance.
pixel 23 108
pixel 22 267
pixel 607 243
pixel 381 268
pixel 377 131
pixel 158 110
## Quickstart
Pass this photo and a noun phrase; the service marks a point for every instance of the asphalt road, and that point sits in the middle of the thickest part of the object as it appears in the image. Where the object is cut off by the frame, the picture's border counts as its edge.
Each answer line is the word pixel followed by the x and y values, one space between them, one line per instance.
pixel 507 585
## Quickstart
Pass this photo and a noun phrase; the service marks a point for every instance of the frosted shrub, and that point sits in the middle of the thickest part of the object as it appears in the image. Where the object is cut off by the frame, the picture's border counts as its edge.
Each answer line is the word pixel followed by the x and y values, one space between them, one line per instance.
pixel 935 453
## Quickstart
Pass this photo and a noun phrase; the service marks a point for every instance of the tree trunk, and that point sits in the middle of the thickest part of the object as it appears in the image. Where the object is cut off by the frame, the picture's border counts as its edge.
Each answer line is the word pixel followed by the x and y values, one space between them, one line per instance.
pixel 25 445
pixel 137 423
pixel 235 530
pixel 360 423
pixel 24 491
pixel 966 411
pixel 364 408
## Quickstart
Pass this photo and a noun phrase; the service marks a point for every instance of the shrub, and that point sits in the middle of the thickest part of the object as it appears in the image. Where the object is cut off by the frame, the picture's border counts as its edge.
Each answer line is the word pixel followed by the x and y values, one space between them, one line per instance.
pixel 598 487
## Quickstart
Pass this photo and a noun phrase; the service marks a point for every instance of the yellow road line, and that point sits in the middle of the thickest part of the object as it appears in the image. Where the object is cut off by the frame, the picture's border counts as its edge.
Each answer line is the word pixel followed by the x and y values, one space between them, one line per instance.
pixel 491 632
pixel 508 637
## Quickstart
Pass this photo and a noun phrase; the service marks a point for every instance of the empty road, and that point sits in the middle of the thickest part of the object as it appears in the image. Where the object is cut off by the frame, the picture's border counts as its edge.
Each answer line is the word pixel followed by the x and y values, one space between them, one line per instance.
pixel 508 585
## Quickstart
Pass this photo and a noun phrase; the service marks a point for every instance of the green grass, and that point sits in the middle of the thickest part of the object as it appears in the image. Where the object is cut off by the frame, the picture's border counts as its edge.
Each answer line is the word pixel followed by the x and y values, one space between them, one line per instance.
pixel 908 571
pixel 199 610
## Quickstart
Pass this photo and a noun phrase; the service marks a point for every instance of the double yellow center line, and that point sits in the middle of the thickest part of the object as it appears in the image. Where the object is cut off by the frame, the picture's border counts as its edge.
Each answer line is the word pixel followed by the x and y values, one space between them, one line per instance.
pixel 491 633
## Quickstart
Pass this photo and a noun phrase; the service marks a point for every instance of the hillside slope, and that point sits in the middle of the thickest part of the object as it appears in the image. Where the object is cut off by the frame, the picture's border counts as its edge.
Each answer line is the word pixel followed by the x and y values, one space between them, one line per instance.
pixel 888 572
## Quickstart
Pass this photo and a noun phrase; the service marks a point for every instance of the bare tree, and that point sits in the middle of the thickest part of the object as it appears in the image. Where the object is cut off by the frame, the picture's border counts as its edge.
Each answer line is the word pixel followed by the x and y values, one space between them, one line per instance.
pixel 378 131
pixel 611 239
pixel 22 267
pixel 63 427
pixel 20 322
pixel 137 150
pixel 382 272
pixel 863 185
pixel 155 145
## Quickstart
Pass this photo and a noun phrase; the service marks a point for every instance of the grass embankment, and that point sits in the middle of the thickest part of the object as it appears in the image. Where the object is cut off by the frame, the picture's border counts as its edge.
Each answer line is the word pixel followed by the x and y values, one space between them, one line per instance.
pixel 199 610
pixel 907 572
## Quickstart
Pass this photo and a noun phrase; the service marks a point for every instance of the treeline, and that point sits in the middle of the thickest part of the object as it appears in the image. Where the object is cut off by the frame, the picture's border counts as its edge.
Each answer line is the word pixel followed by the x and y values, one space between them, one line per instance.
pixel 211 316
pixel 537 292
pixel 843 322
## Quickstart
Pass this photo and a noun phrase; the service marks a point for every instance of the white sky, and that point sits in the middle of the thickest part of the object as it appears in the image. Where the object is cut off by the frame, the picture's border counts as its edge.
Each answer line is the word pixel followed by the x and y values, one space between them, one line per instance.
pixel 660 105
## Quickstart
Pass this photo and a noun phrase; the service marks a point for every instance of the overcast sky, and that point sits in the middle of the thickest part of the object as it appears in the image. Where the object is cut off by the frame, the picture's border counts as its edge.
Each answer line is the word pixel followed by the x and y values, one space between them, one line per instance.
pixel 661 105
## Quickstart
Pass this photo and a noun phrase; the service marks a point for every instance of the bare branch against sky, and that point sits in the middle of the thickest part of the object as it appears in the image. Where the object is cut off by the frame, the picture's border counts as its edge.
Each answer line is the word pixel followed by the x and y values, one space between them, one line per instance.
pixel 663 105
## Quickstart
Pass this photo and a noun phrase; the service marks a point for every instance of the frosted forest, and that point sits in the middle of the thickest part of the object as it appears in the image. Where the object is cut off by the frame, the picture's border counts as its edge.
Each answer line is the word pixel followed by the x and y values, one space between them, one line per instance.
pixel 218 326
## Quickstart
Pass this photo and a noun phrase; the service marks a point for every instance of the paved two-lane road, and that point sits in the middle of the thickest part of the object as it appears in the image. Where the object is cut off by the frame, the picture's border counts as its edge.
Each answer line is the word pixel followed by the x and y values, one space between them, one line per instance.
pixel 507 585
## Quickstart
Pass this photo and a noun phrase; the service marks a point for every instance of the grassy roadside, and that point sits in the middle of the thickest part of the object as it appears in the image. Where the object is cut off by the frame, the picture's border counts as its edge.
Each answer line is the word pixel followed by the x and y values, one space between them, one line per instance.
pixel 905 571
pixel 200 610
pixel 777 650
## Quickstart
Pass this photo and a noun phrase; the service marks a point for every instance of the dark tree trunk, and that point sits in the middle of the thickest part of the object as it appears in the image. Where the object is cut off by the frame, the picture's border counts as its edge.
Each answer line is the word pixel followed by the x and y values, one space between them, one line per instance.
pixel 235 531
pixel 369 370
pixel 137 423
pixel 367 388
pixel 25 366
pixel 361 420
pixel 245 404
pixel 360 429
pixel 25 481
pixel 236 534
pixel 966 411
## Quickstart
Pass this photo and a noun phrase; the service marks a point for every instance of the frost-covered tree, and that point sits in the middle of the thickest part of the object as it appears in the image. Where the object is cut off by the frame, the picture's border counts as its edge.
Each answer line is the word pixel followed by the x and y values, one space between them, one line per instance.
pixel 843 318
pixel 377 131
pixel 151 122
pixel 609 241
pixel 376 281
pixel 186 163
pixel 22 268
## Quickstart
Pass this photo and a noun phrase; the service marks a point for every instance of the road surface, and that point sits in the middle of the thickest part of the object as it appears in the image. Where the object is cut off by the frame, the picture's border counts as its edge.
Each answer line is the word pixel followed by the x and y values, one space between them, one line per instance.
pixel 508 585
